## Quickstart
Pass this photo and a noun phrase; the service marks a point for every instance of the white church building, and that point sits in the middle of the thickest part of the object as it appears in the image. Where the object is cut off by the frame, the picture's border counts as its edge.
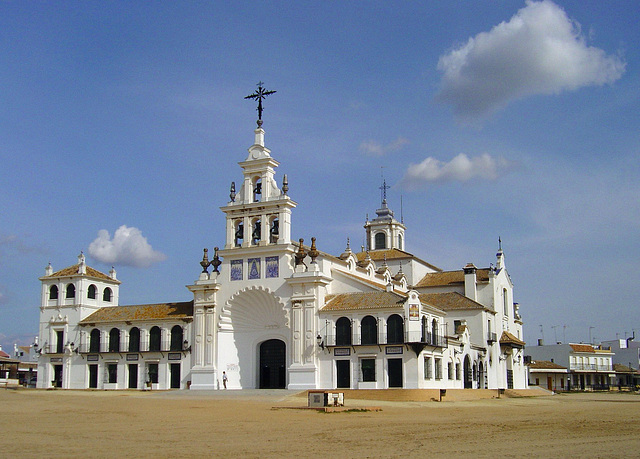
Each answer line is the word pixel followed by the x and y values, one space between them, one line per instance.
pixel 269 311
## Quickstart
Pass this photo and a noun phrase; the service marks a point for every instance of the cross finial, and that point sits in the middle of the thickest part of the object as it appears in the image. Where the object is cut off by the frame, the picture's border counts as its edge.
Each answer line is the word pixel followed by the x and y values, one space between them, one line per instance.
pixel 384 189
pixel 499 243
pixel 259 95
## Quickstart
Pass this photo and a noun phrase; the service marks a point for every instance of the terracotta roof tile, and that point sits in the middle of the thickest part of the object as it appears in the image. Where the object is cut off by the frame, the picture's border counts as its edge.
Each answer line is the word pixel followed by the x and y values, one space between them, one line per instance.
pixel 545 365
pixel 391 254
pixel 371 300
pixel 449 301
pixel 510 339
pixel 582 347
pixel 445 278
pixel 138 312
pixel 73 271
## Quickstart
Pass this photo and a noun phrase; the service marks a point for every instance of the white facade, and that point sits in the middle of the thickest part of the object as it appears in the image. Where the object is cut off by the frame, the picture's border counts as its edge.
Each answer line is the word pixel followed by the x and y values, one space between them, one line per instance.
pixel 275 313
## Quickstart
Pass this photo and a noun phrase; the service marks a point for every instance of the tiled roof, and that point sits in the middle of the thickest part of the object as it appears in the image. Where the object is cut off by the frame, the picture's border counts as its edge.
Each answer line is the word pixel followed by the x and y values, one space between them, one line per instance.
pixel 545 365
pixel 370 282
pixel 73 271
pixel 391 254
pixel 620 368
pixel 3 354
pixel 158 311
pixel 371 300
pixel 449 301
pixel 582 347
pixel 445 278
pixel 510 340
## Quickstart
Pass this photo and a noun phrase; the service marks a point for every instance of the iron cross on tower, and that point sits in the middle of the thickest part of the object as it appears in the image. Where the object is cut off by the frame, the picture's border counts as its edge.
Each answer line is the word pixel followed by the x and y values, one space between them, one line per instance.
pixel 259 95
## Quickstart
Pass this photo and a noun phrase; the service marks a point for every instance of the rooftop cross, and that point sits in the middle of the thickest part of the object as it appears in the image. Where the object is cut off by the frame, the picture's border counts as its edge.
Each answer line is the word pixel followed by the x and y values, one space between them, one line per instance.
pixel 259 95
pixel 384 189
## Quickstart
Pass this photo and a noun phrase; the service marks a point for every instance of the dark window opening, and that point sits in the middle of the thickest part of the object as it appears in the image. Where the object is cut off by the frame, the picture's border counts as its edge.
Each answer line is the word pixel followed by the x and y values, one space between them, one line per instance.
pixel 71 291
pixel 91 292
pixel 395 330
pixel 380 241
pixel 94 341
pixel 154 339
pixel 176 338
pixel 106 295
pixel 369 330
pixel 114 340
pixel 53 292
pixel 368 367
pixel 343 332
pixel 134 340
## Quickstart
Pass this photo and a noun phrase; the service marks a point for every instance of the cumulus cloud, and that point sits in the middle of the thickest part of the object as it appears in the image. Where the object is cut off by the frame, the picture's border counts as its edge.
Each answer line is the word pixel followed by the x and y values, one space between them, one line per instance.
pixel 459 169
pixel 128 247
pixel 538 51
pixel 373 148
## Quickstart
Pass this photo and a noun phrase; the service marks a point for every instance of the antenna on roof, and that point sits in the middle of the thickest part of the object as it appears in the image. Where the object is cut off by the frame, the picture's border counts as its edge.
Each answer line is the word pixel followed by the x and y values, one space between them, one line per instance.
pixel 401 213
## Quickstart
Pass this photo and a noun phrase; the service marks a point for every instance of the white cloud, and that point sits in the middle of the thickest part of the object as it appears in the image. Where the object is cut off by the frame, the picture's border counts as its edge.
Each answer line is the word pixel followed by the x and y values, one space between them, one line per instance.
pixel 459 169
pixel 128 247
pixel 538 51
pixel 373 148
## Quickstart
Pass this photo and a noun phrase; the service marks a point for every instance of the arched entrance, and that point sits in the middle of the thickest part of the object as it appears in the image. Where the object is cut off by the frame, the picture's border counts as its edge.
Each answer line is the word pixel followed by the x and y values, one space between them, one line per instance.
pixel 272 364
pixel 468 377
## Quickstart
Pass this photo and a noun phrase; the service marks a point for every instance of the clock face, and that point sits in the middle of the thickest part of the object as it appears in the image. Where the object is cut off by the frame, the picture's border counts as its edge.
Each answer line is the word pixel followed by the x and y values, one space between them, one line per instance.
pixel 255 154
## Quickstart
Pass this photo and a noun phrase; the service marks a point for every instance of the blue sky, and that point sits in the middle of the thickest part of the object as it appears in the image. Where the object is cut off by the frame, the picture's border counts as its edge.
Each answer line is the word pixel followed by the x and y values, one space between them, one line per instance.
pixel 121 125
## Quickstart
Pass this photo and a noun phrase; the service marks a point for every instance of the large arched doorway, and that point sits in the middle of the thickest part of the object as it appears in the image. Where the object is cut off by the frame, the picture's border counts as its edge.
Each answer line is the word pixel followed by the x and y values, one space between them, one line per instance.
pixel 272 364
pixel 468 376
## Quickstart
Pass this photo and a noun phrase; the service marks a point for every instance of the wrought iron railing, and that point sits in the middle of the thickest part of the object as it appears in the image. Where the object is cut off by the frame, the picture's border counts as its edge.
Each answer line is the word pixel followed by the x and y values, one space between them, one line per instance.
pixel 428 339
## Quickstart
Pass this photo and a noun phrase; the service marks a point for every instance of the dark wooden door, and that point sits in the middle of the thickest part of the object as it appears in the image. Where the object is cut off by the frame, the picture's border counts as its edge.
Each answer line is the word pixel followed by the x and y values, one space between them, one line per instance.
pixel 343 370
pixel 93 376
pixel 395 372
pixel 272 365
pixel 133 376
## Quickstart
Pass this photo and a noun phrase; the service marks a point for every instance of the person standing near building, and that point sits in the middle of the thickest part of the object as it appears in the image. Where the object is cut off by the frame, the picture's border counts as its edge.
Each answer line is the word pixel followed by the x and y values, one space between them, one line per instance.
pixel 224 379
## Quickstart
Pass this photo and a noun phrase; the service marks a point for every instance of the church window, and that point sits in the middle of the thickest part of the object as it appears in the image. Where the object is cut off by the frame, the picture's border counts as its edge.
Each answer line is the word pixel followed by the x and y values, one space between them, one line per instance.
pixel 256 234
pixel 450 371
pixel 458 373
pixel 71 291
pixel 236 270
pixel 343 332
pixel 395 329
pixel 505 301
pixel 94 340
pixel 239 233
pixel 253 266
pixel 369 330
pixel 53 292
pixel 400 241
pixel 434 332
pixel 91 292
pixel 427 368
pixel 438 368
pixel 112 371
pixel 154 339
pixel 114 340
pixel 380 241
pixel 368 369
pixel 176 338
pixel 274 230
pixel 106 295
pixel 134 340
pixel 257 190
pixel 271 266
pixel 59 341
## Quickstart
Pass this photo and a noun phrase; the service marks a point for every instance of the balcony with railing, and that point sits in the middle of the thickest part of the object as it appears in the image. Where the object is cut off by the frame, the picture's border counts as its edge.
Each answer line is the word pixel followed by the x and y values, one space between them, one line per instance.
pixel 153 346
pixel 417 337
pixel 589 367
pixel 492 337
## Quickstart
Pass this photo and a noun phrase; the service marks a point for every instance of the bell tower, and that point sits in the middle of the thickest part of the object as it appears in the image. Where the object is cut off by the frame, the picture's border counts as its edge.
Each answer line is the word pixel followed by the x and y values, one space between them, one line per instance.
pixel 384 232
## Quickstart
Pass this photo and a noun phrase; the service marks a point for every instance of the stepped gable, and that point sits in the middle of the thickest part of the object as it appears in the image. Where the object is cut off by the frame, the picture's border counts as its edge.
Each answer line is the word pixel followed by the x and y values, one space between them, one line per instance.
pixel 450 301
pixel 371 300
pixel 447 278
pixel 182 310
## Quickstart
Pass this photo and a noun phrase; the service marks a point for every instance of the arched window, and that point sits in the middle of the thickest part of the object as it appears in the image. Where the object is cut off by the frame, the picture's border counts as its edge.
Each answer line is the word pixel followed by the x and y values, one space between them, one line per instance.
pixel 53 292
pixel 425 329
pixel 154 339
pixel 239 233
pixel 94 340
pixel 134 340
pixel 369 330
pixel 91 292
pixel 380 241
pixel 274 230
pixel 256 234
pixel 257 189
pixel 176 338
pixel 400 241
pixel 71 291
pixel 434 332
pixel 106 295
pixel 395 329
pixel 114 340
pixel 343 332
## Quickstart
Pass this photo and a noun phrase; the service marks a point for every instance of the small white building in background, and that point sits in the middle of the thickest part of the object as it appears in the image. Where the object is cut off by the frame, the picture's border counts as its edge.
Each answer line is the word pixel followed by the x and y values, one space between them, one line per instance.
pixel 277 313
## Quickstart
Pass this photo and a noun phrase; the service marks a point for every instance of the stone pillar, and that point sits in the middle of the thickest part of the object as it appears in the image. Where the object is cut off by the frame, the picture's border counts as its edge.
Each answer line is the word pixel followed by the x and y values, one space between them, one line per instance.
pixel 203 348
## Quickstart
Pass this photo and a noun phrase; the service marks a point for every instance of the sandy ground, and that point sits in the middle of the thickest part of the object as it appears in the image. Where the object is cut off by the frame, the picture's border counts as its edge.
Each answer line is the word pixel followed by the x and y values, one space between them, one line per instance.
pixel 37 423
